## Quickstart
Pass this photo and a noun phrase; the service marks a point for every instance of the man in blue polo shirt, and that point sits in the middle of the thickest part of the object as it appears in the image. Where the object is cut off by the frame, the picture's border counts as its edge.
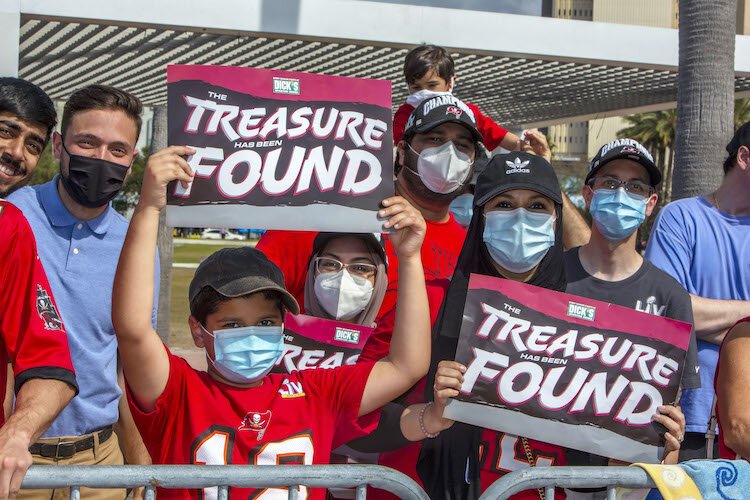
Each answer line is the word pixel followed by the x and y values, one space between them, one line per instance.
pixel 704 243
pixel 80 237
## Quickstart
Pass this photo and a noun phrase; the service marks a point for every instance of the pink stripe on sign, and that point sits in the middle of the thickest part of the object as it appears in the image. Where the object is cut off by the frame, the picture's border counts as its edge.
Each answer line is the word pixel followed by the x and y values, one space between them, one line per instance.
pixel 606 316
pixel 260 83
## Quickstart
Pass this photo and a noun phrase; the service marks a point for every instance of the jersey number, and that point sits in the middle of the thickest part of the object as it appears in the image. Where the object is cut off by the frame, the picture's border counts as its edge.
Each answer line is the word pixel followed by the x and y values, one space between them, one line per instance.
pixel 510 455
pixel 215 448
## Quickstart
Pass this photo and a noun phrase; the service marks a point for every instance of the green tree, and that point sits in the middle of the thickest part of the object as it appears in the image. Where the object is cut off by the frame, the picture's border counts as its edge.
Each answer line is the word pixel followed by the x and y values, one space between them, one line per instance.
pixel 131 190
pixel 46 167
pixel 656 131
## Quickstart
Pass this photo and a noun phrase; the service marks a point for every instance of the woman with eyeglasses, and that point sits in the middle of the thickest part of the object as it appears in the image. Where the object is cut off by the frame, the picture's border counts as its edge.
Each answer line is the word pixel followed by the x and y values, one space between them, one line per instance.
pixel 346 278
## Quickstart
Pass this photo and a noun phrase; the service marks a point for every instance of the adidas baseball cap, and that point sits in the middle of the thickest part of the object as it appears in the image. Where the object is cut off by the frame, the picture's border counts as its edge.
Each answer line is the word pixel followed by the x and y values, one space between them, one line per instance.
pixel 517 170
pixel 627 149
pixel 445 108
pixel 234 272
pixel 741 138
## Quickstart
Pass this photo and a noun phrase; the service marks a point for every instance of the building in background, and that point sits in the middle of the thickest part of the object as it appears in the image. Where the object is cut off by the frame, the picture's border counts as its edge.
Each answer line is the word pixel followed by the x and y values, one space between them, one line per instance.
pixel 578 142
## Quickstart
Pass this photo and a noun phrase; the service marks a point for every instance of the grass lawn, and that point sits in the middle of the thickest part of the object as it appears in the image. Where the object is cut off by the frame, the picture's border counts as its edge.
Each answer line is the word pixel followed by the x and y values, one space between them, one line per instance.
pixel 179 333
pixel 179 310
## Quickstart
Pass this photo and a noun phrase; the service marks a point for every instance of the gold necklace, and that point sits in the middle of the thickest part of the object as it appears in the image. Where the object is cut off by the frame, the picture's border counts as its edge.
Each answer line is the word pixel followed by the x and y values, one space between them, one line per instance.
pixel 716 200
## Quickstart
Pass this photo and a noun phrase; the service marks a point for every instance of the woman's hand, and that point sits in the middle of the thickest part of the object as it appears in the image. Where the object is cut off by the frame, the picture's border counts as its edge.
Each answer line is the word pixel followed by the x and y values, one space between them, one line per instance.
pixel 673 419
pixel 448 380
pixel 409 225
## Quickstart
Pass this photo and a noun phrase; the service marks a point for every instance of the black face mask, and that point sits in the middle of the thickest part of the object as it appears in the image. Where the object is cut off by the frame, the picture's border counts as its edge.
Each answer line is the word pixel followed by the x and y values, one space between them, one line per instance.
pixel 92 182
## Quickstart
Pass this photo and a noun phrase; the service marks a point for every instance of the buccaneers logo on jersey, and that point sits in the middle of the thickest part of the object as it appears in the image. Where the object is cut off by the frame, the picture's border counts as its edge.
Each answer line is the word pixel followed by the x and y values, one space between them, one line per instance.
pixel 256 421
pixel 47 310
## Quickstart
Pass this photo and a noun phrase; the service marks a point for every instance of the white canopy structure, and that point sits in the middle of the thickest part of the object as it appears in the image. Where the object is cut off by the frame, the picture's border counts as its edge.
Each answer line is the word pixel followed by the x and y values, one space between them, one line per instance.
pixel 521 70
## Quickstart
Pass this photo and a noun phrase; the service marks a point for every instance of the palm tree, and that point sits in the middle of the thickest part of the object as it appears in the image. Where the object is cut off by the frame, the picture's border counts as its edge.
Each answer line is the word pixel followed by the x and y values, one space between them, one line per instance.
pixel 164 240
pixel 656 131
pixel 705 92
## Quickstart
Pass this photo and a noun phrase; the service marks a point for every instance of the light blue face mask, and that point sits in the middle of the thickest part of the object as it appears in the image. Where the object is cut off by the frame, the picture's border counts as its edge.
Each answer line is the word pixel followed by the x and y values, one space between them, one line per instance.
pixel 617 213
pixel 246 355
pixel 518 239
pixel 462 209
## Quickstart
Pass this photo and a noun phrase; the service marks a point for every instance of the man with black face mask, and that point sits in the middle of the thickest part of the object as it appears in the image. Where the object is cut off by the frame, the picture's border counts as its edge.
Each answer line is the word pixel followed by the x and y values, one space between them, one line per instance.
pixel 80 236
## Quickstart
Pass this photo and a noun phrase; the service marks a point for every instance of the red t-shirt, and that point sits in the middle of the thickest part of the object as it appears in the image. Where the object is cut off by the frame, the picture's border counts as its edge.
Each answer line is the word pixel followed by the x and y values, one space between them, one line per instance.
pixel 33 335
pixel 724 450
pixel 492 133
pixel 288 419
pixel 291 250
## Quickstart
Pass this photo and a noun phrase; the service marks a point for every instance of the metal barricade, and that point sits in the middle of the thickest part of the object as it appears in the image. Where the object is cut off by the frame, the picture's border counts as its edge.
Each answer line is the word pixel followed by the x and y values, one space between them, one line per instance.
pixel 547 478
pixel 222 476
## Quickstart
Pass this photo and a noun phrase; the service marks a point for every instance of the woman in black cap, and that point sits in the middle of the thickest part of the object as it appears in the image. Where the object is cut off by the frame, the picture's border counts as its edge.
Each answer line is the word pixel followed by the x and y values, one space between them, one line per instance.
pixel 515 233
pixel 346 277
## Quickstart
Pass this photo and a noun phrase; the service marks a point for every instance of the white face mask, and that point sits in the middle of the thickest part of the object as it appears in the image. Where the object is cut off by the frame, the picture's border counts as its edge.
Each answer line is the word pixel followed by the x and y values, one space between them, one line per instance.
pixel 443 169
pixel 342 295
pixel 417 97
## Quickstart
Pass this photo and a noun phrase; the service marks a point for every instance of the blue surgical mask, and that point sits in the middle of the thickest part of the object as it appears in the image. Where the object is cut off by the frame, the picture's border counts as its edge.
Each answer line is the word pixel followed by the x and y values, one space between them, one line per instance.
pixel 246 355
pixel 462 209
pixel 518 239
pixel 617 213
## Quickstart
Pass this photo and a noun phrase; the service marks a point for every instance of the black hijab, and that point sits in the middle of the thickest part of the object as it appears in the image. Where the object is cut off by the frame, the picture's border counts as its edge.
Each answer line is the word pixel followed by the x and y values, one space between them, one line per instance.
pixel 448 465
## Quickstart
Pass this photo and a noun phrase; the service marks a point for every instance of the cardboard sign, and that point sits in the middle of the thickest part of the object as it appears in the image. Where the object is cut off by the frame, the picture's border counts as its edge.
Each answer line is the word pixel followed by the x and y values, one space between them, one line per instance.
pixel 567 370
pixel 311 342
pixel 280 150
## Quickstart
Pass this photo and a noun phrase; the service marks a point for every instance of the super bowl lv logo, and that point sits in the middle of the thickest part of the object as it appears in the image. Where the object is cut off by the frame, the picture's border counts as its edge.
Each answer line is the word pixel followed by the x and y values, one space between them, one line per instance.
pixel 256 421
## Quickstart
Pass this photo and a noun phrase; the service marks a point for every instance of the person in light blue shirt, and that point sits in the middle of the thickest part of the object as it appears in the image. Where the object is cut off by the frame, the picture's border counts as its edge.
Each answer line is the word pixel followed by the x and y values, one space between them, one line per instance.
pixel 704 243
pixel 79 238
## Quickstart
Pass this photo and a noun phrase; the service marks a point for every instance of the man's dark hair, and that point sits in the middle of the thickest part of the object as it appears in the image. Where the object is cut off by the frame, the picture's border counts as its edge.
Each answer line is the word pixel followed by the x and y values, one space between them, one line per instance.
pixel 420 60
pixel 28 102
pixel 102 97
pixel 207 302
pixel 729 163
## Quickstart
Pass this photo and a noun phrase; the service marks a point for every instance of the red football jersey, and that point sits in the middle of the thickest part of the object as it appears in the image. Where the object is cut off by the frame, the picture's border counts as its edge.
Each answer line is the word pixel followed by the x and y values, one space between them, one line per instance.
pixel 501 453
pixel 492 133
pixel 33 335
pixel 288 419
pixel 290 250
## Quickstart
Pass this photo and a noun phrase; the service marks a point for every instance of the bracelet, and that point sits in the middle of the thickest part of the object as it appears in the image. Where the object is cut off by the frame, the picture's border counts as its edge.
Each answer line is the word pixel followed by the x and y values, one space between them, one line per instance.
pixel 421 422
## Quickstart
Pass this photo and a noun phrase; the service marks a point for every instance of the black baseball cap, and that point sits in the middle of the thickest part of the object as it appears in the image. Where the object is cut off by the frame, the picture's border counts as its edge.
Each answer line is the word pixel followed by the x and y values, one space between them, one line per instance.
pixel 517 170
pixel 741 138
pixel 628 149
pixel 373 241
pixel 234 272
pixel 444 108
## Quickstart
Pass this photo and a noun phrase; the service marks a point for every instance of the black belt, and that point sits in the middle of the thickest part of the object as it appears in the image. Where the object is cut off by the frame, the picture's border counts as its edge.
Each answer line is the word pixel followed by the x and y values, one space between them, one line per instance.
pixel 70 448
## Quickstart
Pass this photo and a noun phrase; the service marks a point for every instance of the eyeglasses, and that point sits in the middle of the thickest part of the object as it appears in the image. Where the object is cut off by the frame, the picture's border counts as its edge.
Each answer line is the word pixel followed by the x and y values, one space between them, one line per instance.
pixel 633 187
pixel 329 265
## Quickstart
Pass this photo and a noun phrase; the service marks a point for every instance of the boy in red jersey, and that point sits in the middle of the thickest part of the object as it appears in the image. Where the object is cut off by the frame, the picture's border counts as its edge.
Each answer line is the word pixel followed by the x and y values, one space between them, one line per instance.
pixel 236 413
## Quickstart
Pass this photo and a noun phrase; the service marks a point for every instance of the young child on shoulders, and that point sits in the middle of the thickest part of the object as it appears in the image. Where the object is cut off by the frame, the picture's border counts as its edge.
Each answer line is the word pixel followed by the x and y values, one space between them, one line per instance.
pixel 429 70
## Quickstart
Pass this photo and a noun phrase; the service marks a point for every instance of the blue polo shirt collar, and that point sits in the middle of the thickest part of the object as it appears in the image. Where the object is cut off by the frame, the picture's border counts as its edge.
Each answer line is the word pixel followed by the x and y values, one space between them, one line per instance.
pixel 59 216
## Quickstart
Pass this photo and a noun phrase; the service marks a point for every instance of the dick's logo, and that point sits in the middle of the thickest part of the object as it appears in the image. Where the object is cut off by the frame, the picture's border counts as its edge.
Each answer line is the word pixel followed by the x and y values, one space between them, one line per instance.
pixel 285 86
pixel 346 335
pixel 582 311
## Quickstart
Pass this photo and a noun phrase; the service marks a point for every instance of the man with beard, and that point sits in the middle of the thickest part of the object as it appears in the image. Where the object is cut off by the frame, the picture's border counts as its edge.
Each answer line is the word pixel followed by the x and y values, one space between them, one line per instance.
pixel 434 164
pixel 27 117
pixel 80 237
